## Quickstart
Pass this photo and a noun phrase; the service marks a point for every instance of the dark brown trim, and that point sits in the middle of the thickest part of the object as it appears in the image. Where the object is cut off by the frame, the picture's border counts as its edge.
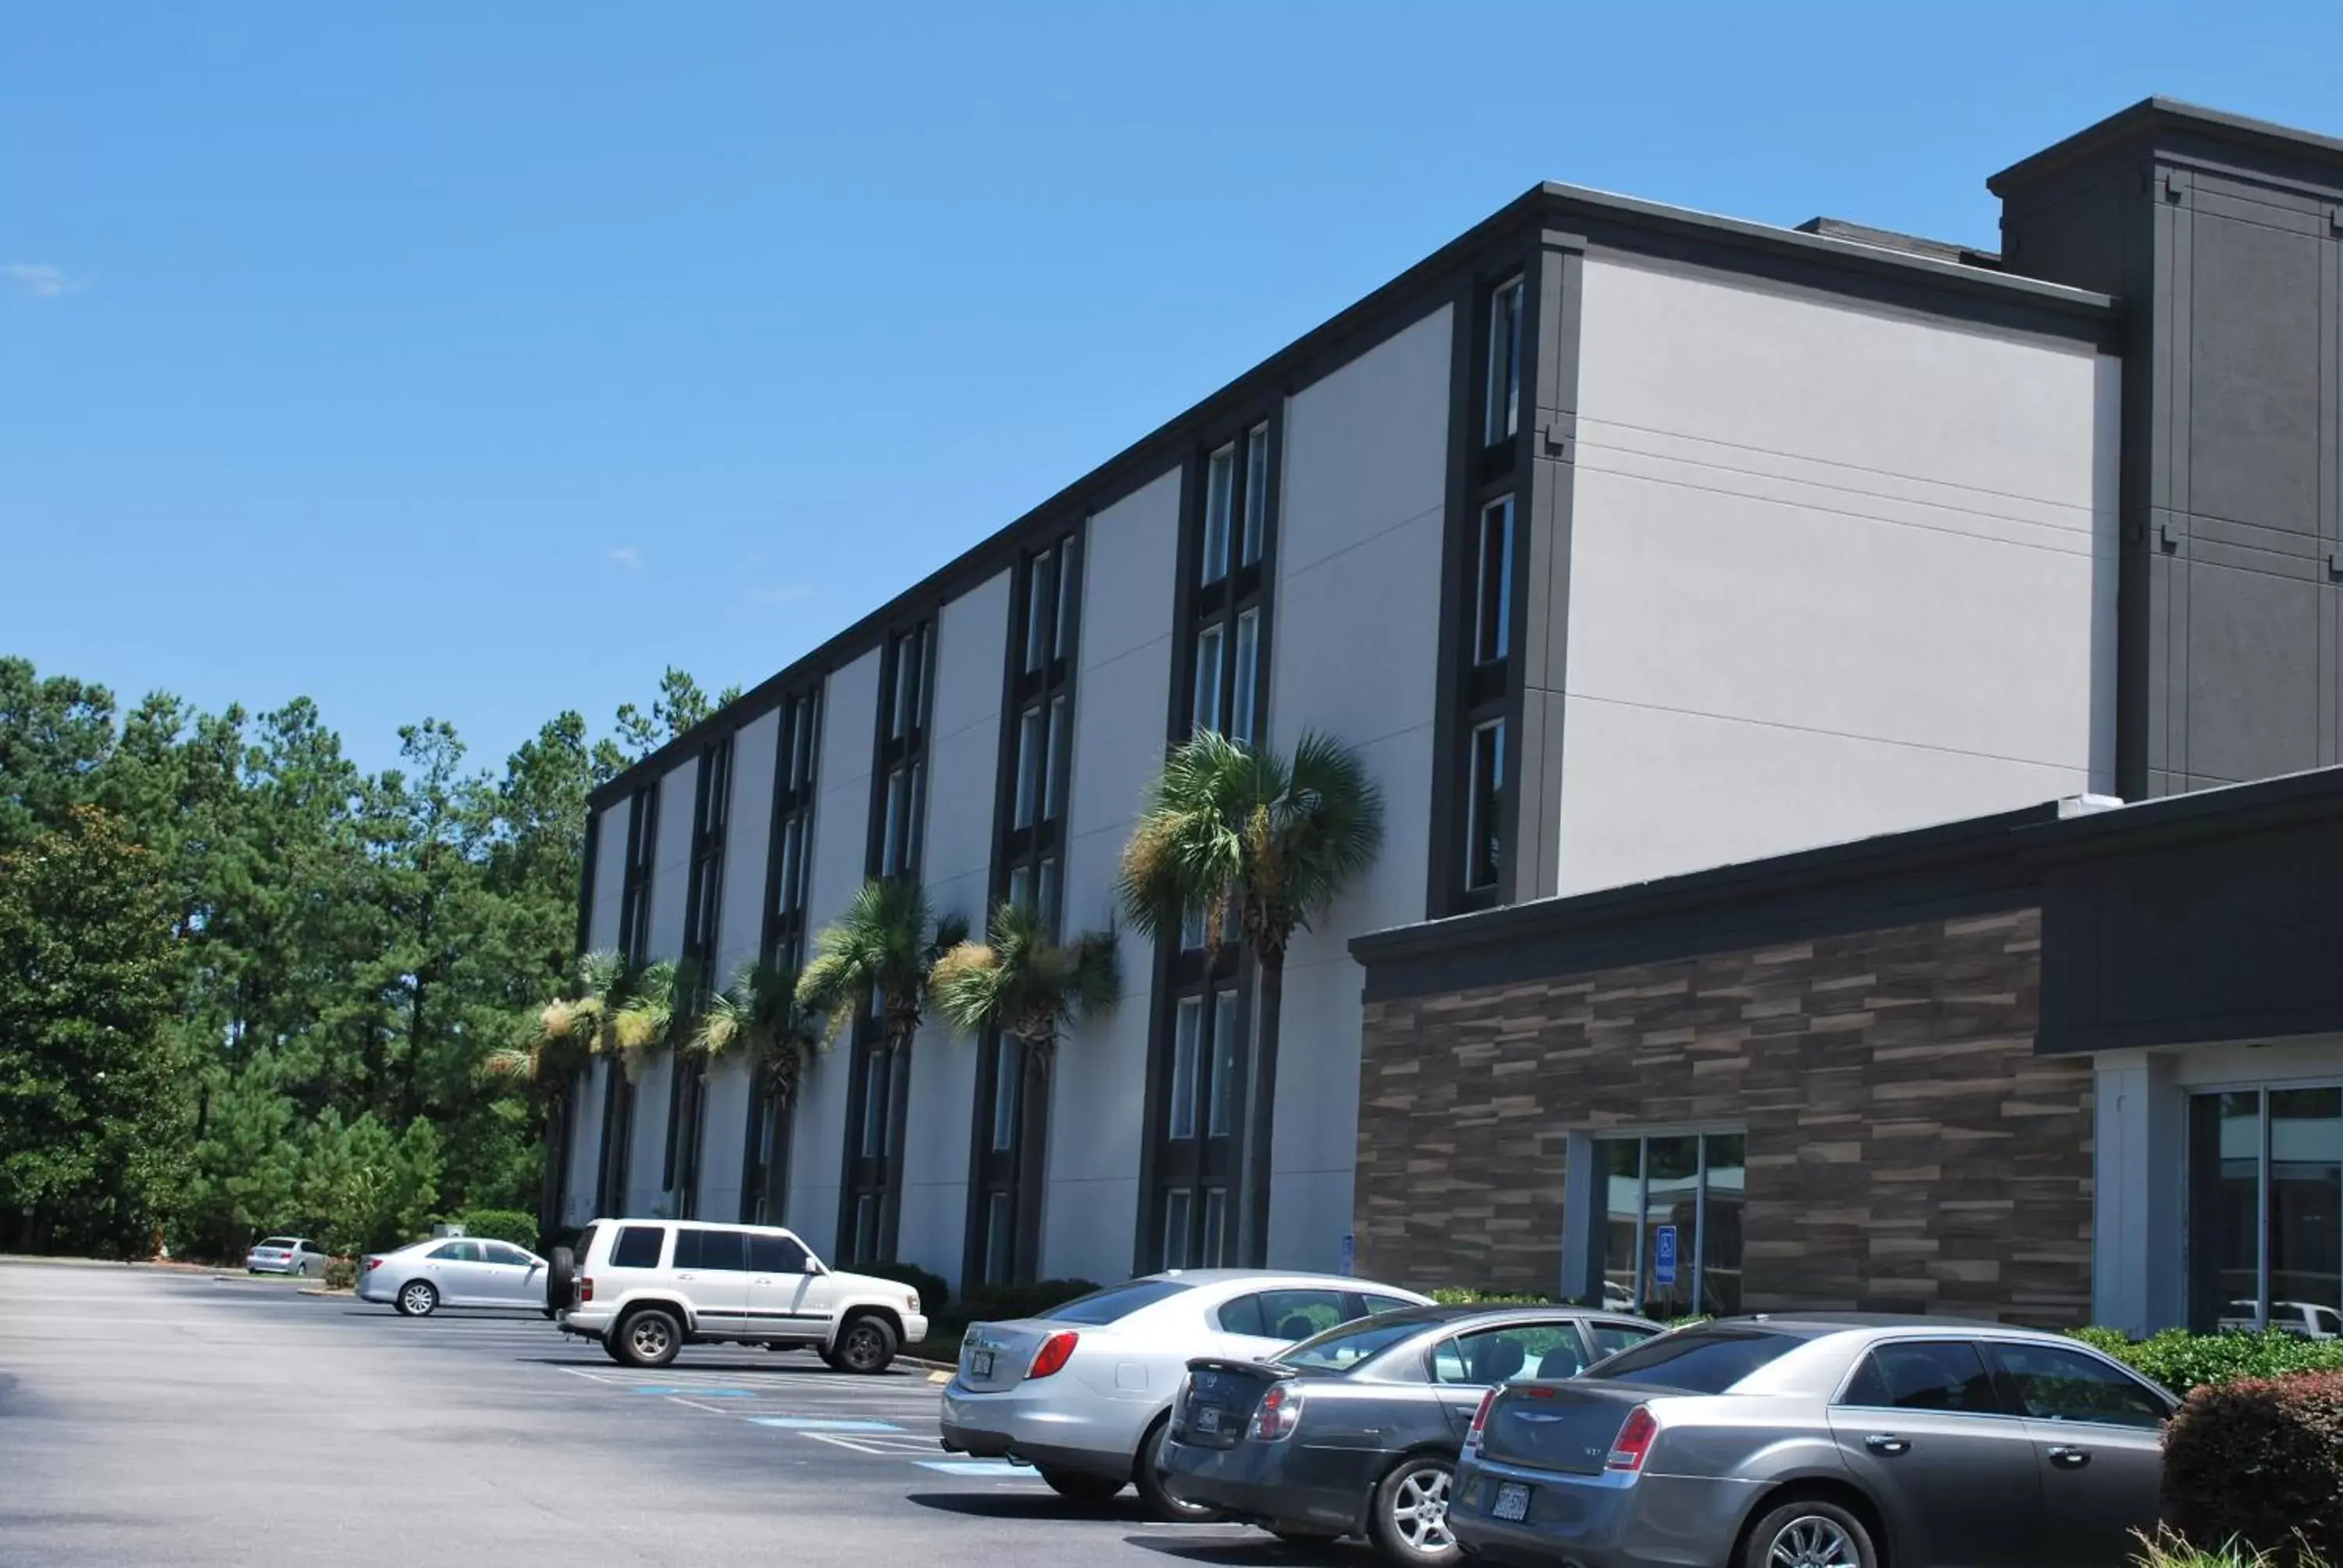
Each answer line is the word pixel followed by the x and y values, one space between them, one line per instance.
pixel 2162 114
pixel 1618 223
pixel 1542 575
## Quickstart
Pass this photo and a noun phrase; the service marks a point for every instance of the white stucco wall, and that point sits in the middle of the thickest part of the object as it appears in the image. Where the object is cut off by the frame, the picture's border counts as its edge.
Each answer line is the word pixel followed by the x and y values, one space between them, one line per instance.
pixel 850 711
pixel 1099 1105
pixel 956 860
pixel 1835 571
pixel 1354 654
pixel 739 927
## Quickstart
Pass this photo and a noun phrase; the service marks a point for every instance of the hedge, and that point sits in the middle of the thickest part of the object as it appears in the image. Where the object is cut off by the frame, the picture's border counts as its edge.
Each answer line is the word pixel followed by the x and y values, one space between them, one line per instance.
pixel 1000 1304
pixel 342 1274
pixel 2259 1462
pixel 2181 1361
pixel 513 1225
pixel 934 1290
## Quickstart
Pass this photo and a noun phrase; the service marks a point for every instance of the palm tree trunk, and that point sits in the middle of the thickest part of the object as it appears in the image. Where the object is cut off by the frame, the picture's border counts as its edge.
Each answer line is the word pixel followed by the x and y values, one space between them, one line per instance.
pixel 1261 1114
pixel 898 1116
pixel 556 1164
pixel 1032 1159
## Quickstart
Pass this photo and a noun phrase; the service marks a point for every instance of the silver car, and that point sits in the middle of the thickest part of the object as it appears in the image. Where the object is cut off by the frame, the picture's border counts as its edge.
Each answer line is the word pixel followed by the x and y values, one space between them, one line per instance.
pixel 453 1271
pixel 1084 1395
pixel 287 1255
pixel 1820 1440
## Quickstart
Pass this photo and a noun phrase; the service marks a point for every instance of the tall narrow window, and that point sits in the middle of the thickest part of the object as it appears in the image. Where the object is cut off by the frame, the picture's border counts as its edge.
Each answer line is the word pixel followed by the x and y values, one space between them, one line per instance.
pixel 1240 718
pixel 764 1176
pixel 703 901
pixel 1503 398
pixel 1493 578
pixel 1256 496
pixel 1208 643
pixel 1668 1242
pixel 1484 805
pixel 634 945
pixel 1029 847
pixel 2265 1209
pixel 899 807
pixel 1196 1040
pixel 1220 497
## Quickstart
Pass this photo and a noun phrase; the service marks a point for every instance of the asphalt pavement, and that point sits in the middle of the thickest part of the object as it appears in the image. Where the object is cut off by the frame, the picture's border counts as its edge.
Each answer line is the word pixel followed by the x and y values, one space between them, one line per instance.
pixel 149 1416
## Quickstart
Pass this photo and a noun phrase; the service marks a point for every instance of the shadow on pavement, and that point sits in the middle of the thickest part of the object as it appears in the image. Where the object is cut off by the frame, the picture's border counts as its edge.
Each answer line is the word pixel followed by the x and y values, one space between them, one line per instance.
pixel 1257 1547
pixel 1028 1505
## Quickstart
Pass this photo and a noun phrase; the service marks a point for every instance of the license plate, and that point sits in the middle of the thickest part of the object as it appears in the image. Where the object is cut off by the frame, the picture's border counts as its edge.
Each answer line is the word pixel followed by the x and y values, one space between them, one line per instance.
pixel 1208 1420
pixel 1512 1502
pixel 979 1363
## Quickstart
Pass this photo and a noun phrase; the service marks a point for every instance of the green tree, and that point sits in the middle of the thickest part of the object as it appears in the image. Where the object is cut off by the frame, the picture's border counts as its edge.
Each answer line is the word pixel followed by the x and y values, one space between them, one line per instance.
pixel 1034 989
pixel 552 1047
pixel 246 1170
pixel 93 1090
pixel 884 945
pixel 1270 840
pixel 364 1187
pixel 54 734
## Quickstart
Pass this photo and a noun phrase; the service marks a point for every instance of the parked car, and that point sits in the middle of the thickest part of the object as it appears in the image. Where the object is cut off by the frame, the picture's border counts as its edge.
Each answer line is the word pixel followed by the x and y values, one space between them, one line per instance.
pixel 287 1255
pixel 2307 1319
pixel 1084 1393
pixel 643 1289
pixel 1355 1432
pixel 1823 1440
pixel 452 1271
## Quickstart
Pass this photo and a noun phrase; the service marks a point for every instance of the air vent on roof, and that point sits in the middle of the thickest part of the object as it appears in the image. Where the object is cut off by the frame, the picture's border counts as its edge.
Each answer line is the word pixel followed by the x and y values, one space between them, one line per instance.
pixel 1909 244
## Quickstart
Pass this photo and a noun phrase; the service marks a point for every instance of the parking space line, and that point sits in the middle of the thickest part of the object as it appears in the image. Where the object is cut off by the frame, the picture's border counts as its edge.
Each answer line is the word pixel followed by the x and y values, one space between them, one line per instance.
pixel 981 1468
pixel 822 1423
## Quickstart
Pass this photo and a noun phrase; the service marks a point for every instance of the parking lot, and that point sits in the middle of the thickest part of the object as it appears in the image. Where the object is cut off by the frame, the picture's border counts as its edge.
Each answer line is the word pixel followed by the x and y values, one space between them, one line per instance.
pixel 152 1416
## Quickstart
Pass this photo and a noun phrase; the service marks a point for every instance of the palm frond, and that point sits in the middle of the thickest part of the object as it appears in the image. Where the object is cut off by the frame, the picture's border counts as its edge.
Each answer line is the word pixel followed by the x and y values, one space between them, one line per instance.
pixel 1023 982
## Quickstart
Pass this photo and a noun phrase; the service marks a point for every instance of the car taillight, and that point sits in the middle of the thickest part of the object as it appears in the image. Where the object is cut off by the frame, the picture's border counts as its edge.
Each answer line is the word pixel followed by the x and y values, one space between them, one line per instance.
pixel 372 1264
pixel 1634 1443
pixel 1055 1353
pixel 1479 1423
pixel 1278 1414
pixel 585 1288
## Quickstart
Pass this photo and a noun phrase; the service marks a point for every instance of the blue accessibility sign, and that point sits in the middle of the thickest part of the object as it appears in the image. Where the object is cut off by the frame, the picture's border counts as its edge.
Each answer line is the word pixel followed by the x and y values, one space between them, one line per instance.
pixel 1664 1254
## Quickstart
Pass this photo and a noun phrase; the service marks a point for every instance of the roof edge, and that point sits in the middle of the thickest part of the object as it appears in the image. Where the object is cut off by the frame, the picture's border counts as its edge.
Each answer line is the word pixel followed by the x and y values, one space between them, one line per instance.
pixel 2157 113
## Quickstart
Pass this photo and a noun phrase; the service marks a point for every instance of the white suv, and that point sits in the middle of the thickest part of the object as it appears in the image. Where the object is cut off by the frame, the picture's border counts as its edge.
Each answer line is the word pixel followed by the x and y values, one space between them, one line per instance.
pixel 646 1288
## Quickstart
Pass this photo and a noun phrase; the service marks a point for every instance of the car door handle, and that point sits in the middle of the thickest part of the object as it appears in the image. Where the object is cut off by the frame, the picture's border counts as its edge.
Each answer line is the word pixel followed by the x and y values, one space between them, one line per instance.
pixel 2067 1458
pixel 1887 1442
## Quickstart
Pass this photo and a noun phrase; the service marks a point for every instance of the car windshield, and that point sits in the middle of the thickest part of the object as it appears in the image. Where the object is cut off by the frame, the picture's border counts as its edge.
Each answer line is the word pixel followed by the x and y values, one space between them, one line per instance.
pixel 1697 1360
pixel 1115 1303
pixel 279 1244
pixel 1341 1348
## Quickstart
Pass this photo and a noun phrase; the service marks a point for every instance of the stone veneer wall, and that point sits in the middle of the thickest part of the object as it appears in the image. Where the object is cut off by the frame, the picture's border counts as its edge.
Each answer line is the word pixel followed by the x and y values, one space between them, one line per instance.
pixel 1907 1149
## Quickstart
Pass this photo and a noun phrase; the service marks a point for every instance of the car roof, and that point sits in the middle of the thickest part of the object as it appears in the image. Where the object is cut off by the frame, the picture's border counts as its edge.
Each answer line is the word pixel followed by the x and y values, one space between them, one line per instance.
pixel 1470 1311
pixel 1816 1325
pixel 1263 1276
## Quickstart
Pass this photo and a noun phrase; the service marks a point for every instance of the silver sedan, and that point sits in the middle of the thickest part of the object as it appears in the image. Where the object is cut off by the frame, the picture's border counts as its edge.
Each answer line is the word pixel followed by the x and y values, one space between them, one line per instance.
pixel 1823 1440
pixel 1084 1393
pixel 287 1255
pixel 453 1271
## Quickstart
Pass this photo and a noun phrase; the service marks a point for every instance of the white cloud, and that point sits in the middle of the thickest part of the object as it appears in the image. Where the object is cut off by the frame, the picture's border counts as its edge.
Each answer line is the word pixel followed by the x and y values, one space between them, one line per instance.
pixel 42 280
pixel 626 555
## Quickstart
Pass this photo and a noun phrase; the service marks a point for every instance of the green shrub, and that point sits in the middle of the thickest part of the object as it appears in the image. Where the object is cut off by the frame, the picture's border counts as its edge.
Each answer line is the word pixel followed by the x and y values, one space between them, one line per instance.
pixel 342 1274
pixel 934 1290
pixel 2181 1361
pixel 512 1225
pixel 1479 1295
pixel 2167 1550
pixel 2259 1462
pixel 999 1303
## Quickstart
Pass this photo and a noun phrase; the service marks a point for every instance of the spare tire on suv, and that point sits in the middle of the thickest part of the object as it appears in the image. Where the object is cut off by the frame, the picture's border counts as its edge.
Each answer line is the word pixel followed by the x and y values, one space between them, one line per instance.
pixel 561 1280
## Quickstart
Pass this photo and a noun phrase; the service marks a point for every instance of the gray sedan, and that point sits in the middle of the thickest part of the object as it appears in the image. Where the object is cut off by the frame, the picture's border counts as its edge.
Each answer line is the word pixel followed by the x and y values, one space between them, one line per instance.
pixel 1820 1440
pixel 1354 1431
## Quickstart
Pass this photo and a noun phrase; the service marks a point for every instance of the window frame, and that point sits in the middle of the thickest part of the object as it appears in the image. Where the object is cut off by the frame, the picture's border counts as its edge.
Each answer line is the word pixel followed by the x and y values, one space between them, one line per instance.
pixel 2264 1180
pixel 1692 1251
pixel 894 848
pixel 1032 791
pixel 634 945
pixel 1185 1181
pixel 703 909
pixel 781 936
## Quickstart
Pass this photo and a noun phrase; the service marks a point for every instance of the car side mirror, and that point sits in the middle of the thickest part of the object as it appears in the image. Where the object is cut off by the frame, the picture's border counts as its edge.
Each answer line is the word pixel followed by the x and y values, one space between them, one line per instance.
pixel 813 1266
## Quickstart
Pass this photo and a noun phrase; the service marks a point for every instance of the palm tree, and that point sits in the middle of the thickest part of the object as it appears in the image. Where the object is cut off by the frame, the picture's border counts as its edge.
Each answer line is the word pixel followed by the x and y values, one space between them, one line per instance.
pixel 650 1001
pixel 1026 985
pixel 1270 840
pixel 551 1046
pixel 882 947
pixel 757 1016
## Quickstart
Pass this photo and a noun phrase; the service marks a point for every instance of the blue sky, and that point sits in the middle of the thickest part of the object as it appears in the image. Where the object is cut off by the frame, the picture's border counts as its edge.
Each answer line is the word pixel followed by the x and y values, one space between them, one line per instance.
pixel 477 362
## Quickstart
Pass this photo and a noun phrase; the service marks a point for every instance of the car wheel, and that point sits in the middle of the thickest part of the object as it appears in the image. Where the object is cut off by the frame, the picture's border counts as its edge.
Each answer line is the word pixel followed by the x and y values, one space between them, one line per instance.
pixel 1409 1521
pixel 1809 1534
pixel 1148 1473
pixel 865 1345
pixel 648 1338
pixel 419 1298
pixel 610 1343
pixel 1082 1485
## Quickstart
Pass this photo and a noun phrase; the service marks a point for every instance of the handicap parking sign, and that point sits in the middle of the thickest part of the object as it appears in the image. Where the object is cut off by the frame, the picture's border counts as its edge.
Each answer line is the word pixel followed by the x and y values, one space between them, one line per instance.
pixel 1664 1254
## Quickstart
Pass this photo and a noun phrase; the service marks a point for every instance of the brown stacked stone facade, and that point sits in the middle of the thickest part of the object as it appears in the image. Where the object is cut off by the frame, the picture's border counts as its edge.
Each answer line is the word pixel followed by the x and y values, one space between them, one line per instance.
pixel 1907 1150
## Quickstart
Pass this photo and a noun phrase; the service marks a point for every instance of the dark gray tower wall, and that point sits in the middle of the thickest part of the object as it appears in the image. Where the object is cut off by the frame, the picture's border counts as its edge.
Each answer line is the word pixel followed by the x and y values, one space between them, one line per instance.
pixel 2224 236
